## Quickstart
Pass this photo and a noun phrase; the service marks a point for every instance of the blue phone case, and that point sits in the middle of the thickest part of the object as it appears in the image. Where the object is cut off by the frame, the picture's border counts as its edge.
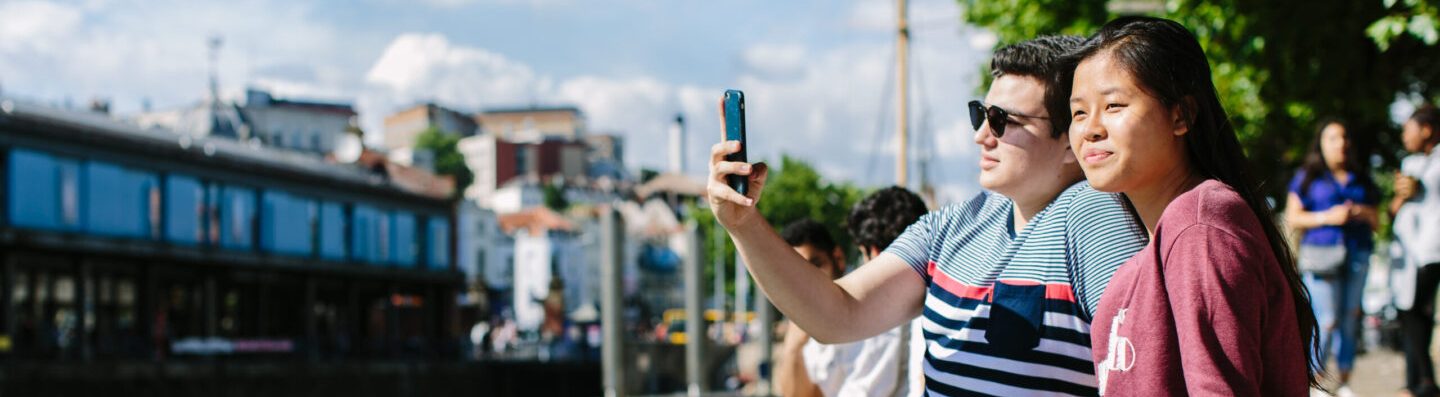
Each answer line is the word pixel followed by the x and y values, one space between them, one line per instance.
pixel 734 108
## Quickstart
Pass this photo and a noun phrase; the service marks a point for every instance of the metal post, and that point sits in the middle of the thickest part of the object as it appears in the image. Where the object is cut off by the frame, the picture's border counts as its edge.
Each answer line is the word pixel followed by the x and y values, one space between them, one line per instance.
pixel 719 263
pixel 694 313
pixel 902 113
pixel 312 338
pixel 766 338
pixel 612 349
pixel 85 307
pixel 742 292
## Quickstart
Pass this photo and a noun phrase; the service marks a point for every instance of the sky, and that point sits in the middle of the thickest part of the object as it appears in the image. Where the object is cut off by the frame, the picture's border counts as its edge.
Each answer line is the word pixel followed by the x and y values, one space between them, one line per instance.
pixel 818 75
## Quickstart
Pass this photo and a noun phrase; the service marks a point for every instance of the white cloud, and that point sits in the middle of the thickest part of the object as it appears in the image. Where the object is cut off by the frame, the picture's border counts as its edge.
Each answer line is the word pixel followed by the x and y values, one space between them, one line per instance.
pixel 821 104
pixel 34 25
pixel 451 4
pixel 427 67
pixel 155 50
pixel 776 60
pixel 838 111
pixel 818 100
pixel 418 67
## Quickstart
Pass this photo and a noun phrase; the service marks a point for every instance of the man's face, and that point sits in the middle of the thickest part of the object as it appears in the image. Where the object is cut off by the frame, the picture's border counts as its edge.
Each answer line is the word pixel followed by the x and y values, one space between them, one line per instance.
pixel 828 262
pixel 1414 136
pixel 1025 152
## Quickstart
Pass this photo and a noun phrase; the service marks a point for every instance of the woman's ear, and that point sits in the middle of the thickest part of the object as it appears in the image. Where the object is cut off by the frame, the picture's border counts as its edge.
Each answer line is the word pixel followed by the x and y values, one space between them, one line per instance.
pixel 1182 115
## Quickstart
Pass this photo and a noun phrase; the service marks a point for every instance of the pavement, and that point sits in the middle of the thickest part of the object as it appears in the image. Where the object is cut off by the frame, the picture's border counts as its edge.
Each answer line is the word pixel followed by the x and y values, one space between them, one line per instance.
pixel 1379 373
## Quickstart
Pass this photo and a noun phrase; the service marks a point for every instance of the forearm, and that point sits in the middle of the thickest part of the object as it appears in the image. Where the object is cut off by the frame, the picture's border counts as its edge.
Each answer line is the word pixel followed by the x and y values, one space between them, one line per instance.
pixel 1395 204
pixel 1302 219
pixel 1368 214
pixel 803 292
pixel 790 376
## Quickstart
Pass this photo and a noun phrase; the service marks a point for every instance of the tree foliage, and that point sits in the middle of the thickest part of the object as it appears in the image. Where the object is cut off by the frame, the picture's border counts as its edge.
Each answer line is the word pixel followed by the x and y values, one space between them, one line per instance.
pixel 448 160
pixel 794 191
pixel 1279 65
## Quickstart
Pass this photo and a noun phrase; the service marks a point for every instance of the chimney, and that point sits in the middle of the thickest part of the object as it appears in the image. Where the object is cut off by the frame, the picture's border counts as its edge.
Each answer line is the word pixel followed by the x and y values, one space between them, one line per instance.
pixel 101 106
pixel 677 145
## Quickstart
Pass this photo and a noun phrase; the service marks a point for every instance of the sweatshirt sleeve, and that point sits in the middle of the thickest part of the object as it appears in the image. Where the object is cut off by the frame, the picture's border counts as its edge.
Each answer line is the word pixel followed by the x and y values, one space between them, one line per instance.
pixel 1216 294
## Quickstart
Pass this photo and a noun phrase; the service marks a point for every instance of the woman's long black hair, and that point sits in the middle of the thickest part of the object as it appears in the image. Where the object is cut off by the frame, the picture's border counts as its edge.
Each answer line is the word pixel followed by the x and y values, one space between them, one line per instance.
pixel 1315 165
pixel 1170 65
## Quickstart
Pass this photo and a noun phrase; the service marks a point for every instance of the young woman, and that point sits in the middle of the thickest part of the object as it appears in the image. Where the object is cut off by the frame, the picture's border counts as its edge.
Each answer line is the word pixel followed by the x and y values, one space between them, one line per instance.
pixel 1332 200
pixel 1213 305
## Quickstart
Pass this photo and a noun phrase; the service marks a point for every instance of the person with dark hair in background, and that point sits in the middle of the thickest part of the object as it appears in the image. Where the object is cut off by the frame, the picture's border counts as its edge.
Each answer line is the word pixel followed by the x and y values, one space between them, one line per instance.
pixel 1213 305
pixel 874 223
pixel 1416 222
pixel 870 367
pixel 1005 283
pixel 878 219
pixel 1332 202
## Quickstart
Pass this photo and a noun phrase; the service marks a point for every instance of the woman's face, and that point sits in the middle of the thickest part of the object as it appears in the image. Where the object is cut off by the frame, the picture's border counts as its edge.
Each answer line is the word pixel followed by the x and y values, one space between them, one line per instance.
pixel 1333 144
pixel 1124 137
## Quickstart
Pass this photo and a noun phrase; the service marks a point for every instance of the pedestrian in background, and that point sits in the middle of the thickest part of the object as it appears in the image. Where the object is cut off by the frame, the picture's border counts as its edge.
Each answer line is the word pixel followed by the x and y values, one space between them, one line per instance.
pixel 1331 204
pixel 1416 206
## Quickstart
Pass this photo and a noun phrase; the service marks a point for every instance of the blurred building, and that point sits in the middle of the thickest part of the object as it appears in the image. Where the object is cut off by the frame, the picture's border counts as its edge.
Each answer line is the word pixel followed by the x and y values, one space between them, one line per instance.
pixel 404 127
pixel 533 124
pixel 498 163
pixel 139 245
pixel 606 157
pixel 305 126
pixel 300 125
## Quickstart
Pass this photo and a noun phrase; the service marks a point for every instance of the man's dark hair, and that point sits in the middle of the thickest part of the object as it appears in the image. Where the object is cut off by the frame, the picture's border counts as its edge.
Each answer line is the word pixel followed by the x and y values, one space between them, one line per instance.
pixel 1428 116
pixel 879 218
pixel 1040 58
pixel 810 232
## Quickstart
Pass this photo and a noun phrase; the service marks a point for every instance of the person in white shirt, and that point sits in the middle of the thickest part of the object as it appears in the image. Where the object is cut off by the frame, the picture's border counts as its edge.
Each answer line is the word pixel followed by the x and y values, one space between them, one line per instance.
pixel 870 367
pixel 874 223
pixel 1416 206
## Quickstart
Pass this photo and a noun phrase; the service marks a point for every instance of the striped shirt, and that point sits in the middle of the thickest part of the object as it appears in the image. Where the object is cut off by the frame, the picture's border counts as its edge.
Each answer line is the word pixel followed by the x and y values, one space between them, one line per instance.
pixel 1035 289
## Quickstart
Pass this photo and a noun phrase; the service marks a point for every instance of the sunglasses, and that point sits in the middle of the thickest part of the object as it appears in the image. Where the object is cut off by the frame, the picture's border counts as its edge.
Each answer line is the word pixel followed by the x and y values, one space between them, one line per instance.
pixel 998 118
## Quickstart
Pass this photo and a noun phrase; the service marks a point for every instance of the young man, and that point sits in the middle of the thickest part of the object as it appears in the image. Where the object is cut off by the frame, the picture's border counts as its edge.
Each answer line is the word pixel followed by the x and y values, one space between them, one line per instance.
pixel 1005 282
pixel 875 222
pixel 808 368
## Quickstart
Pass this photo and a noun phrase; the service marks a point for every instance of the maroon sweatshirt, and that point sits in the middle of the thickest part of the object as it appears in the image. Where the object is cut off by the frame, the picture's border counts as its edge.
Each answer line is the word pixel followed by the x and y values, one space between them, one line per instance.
pixel 1203 310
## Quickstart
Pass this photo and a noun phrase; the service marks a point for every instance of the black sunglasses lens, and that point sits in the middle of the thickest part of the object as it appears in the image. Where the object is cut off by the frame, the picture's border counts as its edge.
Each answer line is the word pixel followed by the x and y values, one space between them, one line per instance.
pixel 977 115
pixel 997 118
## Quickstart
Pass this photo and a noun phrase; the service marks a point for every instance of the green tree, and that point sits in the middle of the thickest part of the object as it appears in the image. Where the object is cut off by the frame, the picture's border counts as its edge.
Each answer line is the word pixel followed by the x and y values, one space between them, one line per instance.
pixel 554 194
pixel 448 160
pixel 1278 65
pixel 794 191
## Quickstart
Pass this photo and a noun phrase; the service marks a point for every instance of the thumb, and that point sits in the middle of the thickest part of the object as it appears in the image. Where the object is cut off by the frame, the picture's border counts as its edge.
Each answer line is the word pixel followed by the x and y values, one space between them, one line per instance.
pixel 759 173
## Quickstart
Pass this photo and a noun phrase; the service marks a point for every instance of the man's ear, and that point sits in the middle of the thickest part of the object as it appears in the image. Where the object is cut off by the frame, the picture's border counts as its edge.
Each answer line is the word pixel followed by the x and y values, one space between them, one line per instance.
pixel 1069 156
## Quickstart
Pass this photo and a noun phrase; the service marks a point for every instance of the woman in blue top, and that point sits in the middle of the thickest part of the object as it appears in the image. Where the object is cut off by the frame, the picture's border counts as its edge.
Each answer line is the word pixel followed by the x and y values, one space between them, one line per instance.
pixel 1332 200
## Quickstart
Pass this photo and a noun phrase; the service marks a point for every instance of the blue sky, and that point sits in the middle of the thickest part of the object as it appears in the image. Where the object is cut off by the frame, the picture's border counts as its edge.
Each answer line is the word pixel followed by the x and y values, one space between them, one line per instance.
pixel 816 73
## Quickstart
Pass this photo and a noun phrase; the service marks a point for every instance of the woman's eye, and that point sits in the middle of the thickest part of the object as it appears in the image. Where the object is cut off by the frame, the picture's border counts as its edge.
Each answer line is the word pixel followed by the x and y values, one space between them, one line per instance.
pixel 1113 106
pixel 1077 114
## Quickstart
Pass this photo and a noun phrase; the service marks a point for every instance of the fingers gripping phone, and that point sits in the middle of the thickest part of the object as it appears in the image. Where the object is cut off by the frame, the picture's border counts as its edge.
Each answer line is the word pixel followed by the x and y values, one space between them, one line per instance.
pixel 733 107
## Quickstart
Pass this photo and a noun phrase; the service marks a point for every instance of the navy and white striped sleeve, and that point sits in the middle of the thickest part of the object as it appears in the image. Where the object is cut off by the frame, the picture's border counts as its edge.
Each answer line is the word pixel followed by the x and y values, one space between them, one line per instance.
pixel 1102 233
pixel 913 246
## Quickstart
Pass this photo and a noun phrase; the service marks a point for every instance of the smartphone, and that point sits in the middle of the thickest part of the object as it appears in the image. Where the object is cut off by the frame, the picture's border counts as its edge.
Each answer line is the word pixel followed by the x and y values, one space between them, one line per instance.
pixel 733 107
